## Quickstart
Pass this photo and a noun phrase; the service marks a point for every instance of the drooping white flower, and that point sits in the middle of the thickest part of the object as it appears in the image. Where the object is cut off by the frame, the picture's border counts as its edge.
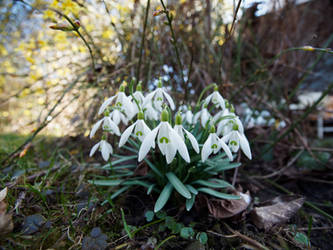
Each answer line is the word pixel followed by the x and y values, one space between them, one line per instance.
pixel 204 116
pixel 180 130
pixel 104 147
pixel 108 125
pixel 117 116
pixel 122 102
pixel 213 144
pixel 215 98
pixel 236 140
pixel 157 98
pixel 226 125
pixel 168 141
pixel 138 98
pixel 189 116
pixel 140 130
pixel 150 112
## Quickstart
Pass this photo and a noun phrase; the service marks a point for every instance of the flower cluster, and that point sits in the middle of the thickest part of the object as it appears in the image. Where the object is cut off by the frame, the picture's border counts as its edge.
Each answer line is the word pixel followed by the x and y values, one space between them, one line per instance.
pixel 155 109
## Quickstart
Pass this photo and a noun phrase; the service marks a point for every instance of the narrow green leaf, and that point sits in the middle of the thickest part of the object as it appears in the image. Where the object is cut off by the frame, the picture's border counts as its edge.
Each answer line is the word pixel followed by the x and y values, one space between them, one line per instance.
pixel 222 182
pixel 123 159
pixel 190 203
pixel 119 191
pixel 105 182
pixel 227 166
pixel 218 194
pixel 137 182
pixel 130 149
pixel 178 185
pixel 191 189
pixel 154 168
pixel 213 183
pixel 150 188
pixel 119 167
pixel 163 198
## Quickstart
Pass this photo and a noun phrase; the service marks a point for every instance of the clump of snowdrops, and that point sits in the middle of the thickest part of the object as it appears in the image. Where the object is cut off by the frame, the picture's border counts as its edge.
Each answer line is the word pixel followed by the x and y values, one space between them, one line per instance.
pixel 168 151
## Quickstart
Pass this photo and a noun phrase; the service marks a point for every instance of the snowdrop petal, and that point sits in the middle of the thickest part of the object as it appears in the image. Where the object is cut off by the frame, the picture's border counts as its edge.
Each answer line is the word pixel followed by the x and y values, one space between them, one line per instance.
pixel 208 98
pixel 148 98
pixel 244 144
pixel 94 148
pixel 193 141
pixel 226 138
pixel 206 149
pixel 124 137
pixel 163 137
pixel 179 130
pixel 170 101
pixel 116 116
pixel 180 144
pixel 105 104
pixel 226 150
pixel 106 150
pixel 95 127
pixel 171 152
pixel 147 143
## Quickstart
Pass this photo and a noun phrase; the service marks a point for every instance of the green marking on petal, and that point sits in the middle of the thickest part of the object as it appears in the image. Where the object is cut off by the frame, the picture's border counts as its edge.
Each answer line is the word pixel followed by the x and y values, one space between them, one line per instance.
pixel 139 133
pixel 214 146
pixel 119 104
pixel 233 143
pixel 159 99
pixel 164 139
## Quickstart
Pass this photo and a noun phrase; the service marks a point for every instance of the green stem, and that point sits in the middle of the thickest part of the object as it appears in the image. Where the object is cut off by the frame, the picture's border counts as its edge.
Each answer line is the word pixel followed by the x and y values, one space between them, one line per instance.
pixel 212 85
pixel 142 41
pixel 174 43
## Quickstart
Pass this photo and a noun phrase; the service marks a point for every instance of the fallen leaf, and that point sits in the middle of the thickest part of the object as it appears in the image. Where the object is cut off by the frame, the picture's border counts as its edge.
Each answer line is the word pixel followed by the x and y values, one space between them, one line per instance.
pixel 222 209
pixel 6 222
pixel 33 223
pixel 277 211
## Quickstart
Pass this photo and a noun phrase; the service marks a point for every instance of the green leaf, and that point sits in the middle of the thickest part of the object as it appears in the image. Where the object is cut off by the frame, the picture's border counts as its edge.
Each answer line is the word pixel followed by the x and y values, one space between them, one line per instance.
pixel 218 194
pixel 119 191
pixel 161 214
pixel 191 189
pixel 131 149
pixel 105 182
pixel 137 182
pixel 153 167
pixel 149 215
pixel 122 159
pixel 178 185
pixel 302 239
pixel 126 227
pixel 150 188
pixel 190 203
pixel 213 183
pixel 222 182
pixel 202 237
pixel 163 198
pixel 187 232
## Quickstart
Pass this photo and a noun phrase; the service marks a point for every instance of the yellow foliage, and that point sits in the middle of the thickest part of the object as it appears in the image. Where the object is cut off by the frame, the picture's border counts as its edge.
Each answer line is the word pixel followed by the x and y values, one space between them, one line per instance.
pixel 107 34
pixel 49 14
pixel 25 92
pixel 27 112
pixel 54 4
pixel 3 50
pixel 9 68
pixel 40 101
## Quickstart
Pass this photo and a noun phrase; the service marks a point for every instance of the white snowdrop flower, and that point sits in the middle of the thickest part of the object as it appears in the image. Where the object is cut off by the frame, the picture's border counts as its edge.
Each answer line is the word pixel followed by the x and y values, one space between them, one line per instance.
pixel 236 140
pixel 213 144
pixel 225 126
pixel 157 98
pixel 204 116
pixel 189 116
pixel 138 97
pixel 108 125
pixel 104 147
pixel 117 116
pixel 140 130
pixel 168 141
pixel 122 102
pixel 180 129
pixel 215 98
pixel 150 112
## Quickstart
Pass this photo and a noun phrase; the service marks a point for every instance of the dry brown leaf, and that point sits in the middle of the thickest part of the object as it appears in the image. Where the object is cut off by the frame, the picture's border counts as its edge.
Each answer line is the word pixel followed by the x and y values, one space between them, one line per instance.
pixel 276 211
pixel 6 222
pixel 222 209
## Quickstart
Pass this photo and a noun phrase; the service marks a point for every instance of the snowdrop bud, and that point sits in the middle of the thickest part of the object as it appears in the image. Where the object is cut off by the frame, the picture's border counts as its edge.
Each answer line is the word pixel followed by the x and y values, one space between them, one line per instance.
pixel 227 104
pixel 139 87
pixel 159 84
pixel 212 129
pixel 235 126
pixel 106 112
pixel 232 109
pixel 164 115
pixel 122 88
pixel 216 88
pixel 178 119
pixel 103 137
pixel 140 116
